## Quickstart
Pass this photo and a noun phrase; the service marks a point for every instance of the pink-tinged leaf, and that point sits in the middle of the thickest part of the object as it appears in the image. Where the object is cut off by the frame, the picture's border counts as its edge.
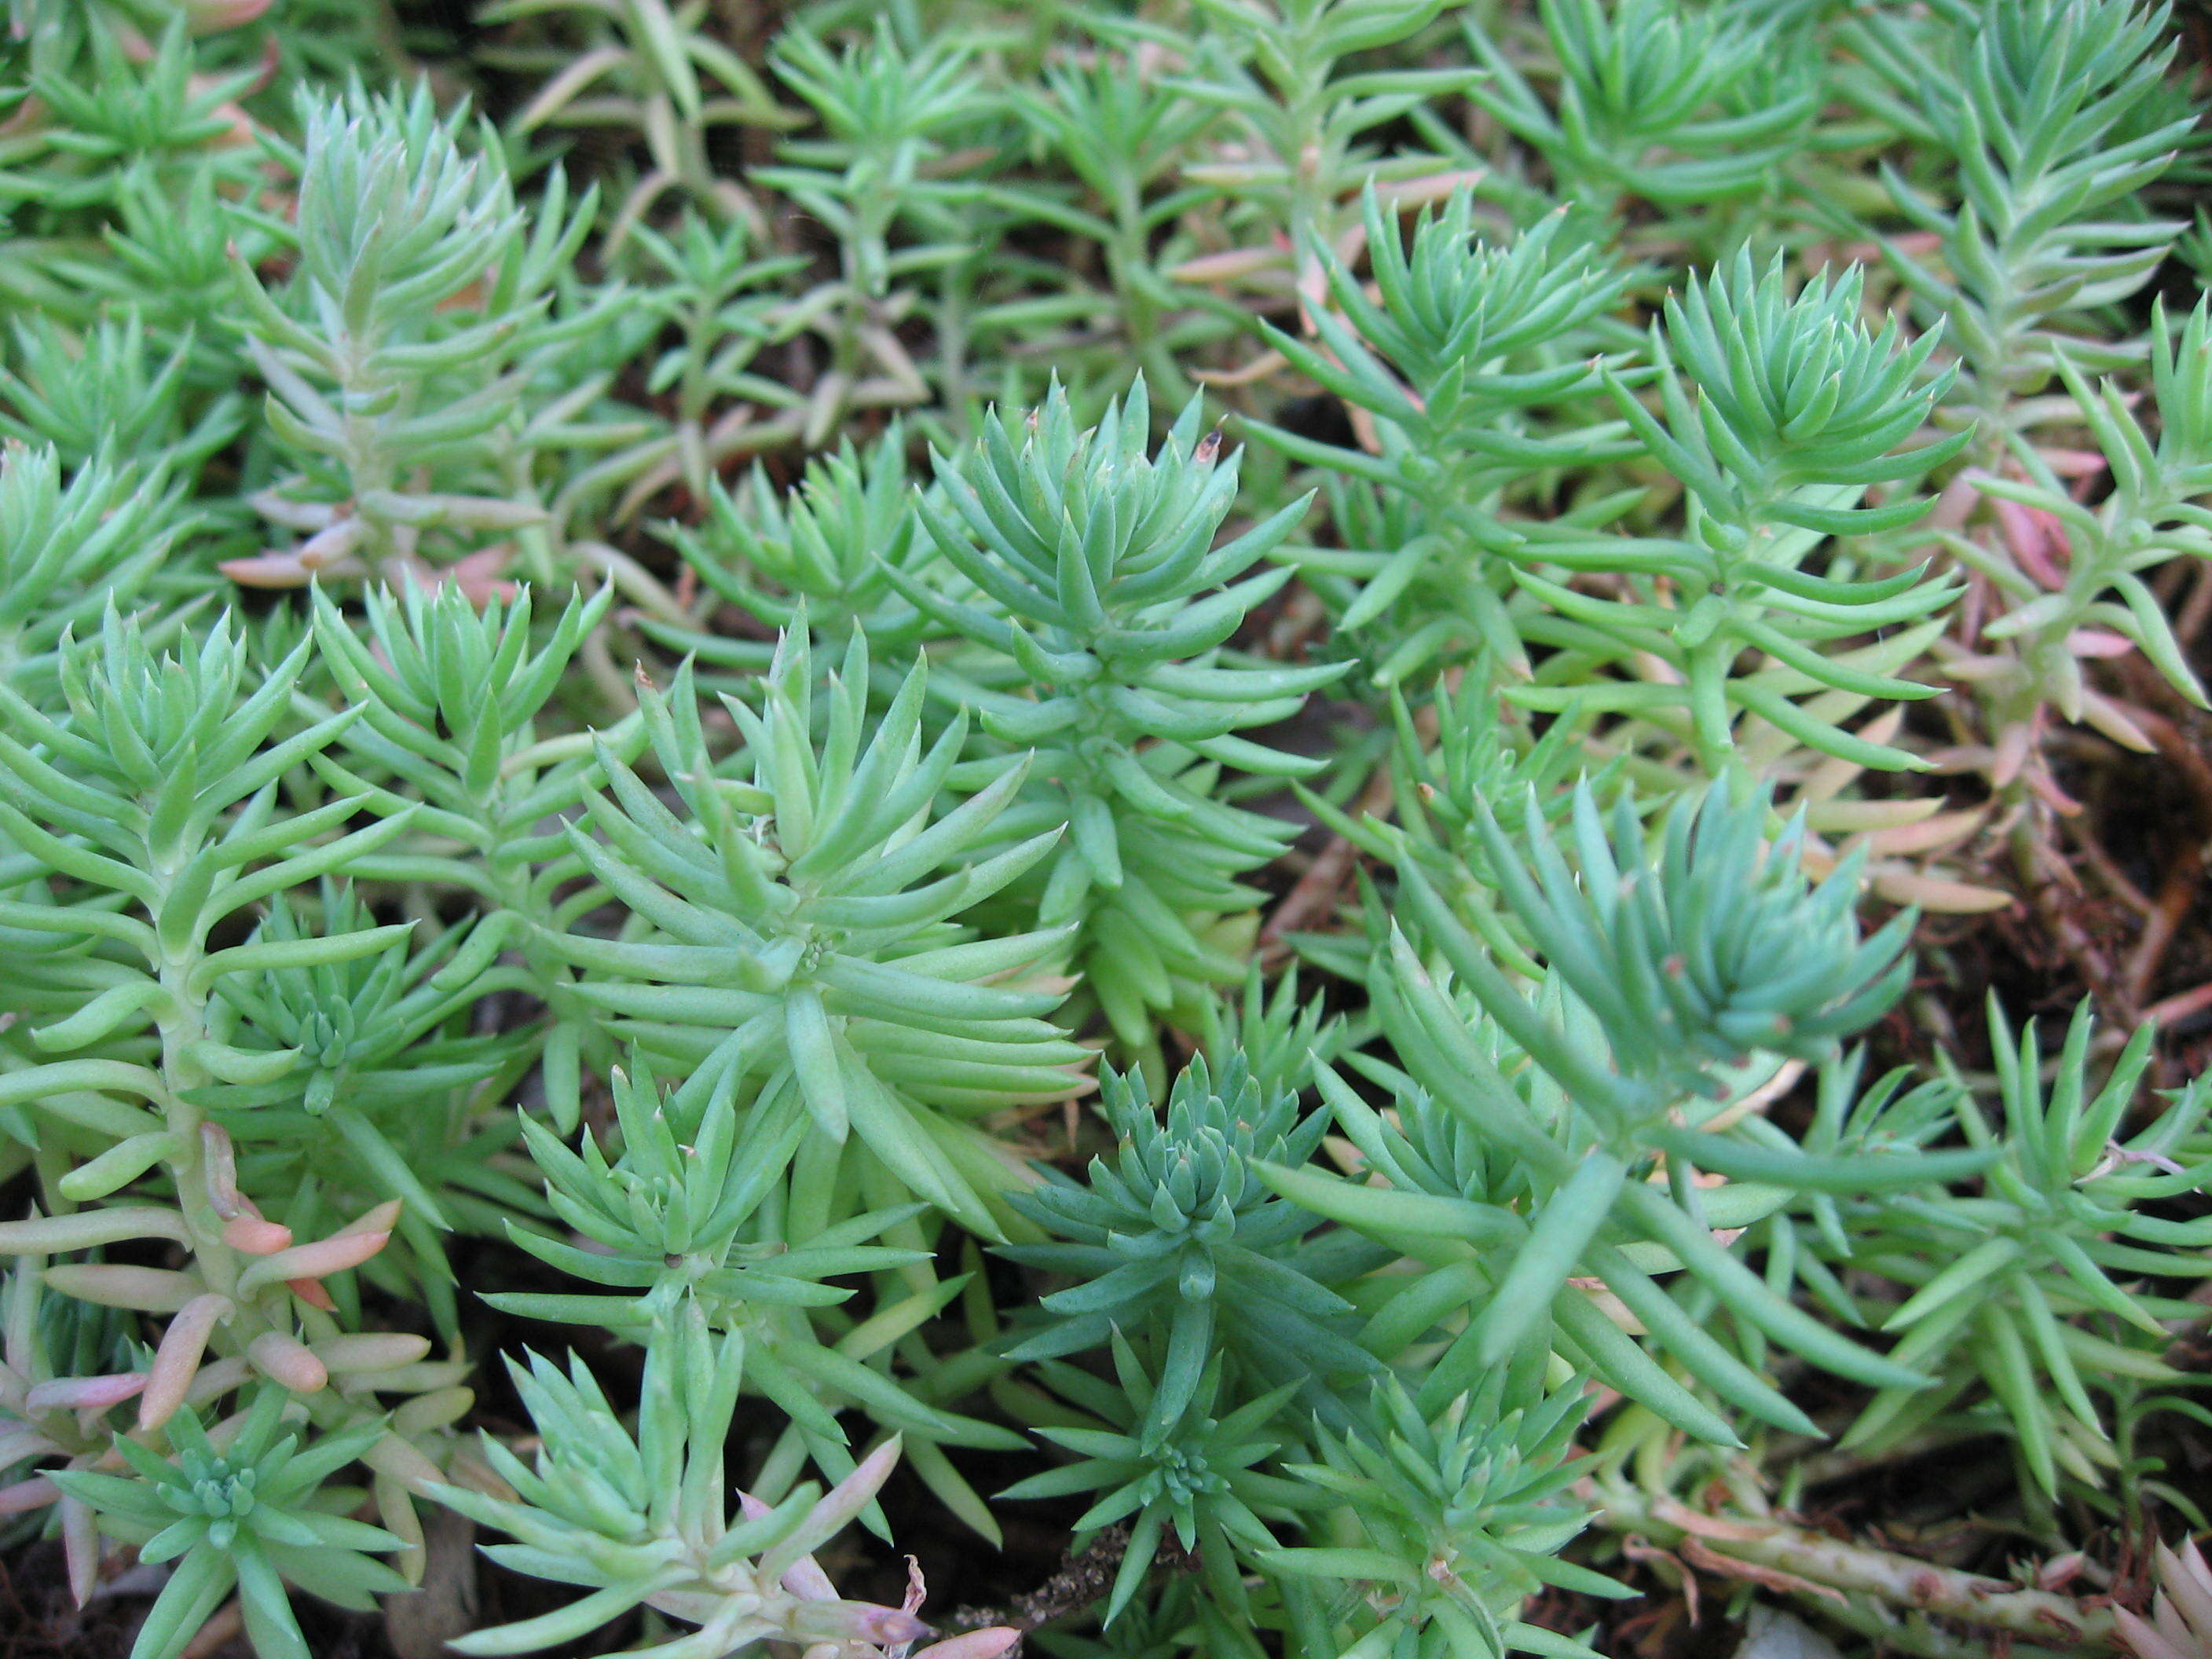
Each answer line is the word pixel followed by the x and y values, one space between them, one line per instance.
pixel 1225 267
pixel 1932 893
pixel 212 17
pixel 1265 364
pixel 177 1361
pixel 2116 720
pixel 19 1443
pixel 81 1548
pixel 478 575
pixel 401 1461
pixel 218 1377
pixel 854 1622
pixel 255 1236
pixel 371 1351
pixel 986 1644
pixel 2059 1571
pixel 2074 463
pixel 838 1507
pixel 25 1496
pixel 803 1577
pixel 2144 1640
pixel 85 1394
pixel 310 1291
pixel 1428 187
pixel 2098 642
pixel 2036 540
pixel 271 570
pixel 286 1359
pixel 237 129
pixel 806 1579
pixel 380 1221
pixel 2046 789
pixel 111 1285
pixel 328 552
pixel 348 1248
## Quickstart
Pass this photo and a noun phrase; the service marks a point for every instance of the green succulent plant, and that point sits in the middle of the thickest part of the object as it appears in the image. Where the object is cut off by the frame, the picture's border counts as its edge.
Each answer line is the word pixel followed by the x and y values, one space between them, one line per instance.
pixel 244 1516
pixel 1188 1473
pixel 1459 1517
pixel 827 550
pixel 692 1215
pixel 395 353
pixel 1675 107
pixel 643 1517
pixel 1180 1247
pixel 1325 1023
pixel 1993 1282
pixel 72 549
pixel 809 943
pixel 1799 410
pixel 1089 560
pixel 1461 349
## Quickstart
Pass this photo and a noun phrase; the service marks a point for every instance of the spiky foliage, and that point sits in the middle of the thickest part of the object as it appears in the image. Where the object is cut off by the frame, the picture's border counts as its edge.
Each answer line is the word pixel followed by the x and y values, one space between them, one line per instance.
pixel 1463 346
pixel 2059 114
pixel 1458 1518
pixel 1097 572
pixel 810 922
pixel 382 1094
pixel 61 1381
pixel 1187 1473
pixel 1182 1251
pixel 1799 409
pixel 158 784
pixel 66 388
pixel 645 66
pixel 448 745
pixel 1277 1034
pixel 1287 82
pixel 1677 107
pixel 1997 1287
pixel 70 551
pixel 107 113
pixel 885 113
pixel 690 1216
pixel 243 1517
pixel 667 1219
pixel 642 1517
pixel 1718 947
pixel 390 353
pixel 826 549
pixel 384 964
pixel 1665 970
pixel 2150 517
pixel 2183 1628
pixel 1442 782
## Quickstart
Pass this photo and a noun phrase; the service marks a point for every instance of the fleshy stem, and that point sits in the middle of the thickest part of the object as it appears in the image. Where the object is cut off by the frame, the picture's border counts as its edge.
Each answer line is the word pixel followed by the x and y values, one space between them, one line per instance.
pixel 247 1329
pixel 507 880
pixel 1759 1547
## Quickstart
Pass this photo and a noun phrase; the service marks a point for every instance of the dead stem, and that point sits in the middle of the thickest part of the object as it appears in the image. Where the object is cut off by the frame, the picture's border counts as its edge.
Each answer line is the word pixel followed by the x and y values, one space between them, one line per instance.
pixel 1758 1549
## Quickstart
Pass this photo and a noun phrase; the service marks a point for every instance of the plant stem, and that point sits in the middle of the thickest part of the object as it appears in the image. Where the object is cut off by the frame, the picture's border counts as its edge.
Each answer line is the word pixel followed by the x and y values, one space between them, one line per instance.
pixel 1894 1581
